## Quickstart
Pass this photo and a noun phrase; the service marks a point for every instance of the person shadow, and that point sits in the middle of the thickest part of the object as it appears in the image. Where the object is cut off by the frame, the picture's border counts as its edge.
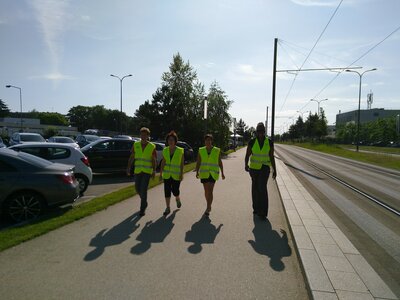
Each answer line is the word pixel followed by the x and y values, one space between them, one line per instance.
pixel 270 243
pixel 114 236
pixel 154 232
pixel 201 232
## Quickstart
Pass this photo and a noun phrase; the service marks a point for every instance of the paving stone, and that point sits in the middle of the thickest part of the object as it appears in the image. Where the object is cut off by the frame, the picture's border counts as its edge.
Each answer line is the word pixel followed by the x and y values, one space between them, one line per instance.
pixel 312 222
pixel 315 272
pixel 326 220
pixel 316 229
pixel 342 241
pixel 374 283
pixel 335 263
pixel 317 295
pixel 322 238
pixel 346 295
pixel 301 237
pixel 328 250
pixel 294 217
pixel 346 281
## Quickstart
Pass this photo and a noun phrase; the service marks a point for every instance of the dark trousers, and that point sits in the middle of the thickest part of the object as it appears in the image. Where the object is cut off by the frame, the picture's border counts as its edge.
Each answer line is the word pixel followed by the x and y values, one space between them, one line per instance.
pixel 259 193
pixel 141 185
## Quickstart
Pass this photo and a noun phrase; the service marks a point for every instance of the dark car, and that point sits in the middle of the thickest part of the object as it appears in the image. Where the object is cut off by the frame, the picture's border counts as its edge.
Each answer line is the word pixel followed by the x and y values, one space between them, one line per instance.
pixel 124 137
pixel 28 184
pixel 188 151
pixel 2 145
pixel 109 155
pixel 85 139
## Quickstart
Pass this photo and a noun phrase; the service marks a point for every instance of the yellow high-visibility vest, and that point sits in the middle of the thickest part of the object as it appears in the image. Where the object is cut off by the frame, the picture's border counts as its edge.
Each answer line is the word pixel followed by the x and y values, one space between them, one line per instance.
pixel 172 166
pixel 259 156
pixel 143 159
pixel 209 163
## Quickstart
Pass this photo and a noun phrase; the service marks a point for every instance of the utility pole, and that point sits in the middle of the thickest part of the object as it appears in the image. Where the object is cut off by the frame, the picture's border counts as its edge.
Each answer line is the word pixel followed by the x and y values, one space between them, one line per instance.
pixel 266 122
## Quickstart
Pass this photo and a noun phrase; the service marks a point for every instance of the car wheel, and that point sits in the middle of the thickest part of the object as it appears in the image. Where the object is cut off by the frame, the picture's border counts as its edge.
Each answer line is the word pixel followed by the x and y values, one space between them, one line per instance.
pixel 83 183
pixel 24 206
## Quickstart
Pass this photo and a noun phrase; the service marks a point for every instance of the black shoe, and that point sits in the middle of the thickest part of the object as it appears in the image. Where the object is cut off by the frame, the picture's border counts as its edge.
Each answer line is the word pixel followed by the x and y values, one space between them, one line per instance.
pixel 167 211
pixel 142 213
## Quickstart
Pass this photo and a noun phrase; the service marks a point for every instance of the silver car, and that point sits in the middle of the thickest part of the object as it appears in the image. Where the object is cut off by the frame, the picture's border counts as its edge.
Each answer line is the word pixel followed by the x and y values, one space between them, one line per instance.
pixel 28 184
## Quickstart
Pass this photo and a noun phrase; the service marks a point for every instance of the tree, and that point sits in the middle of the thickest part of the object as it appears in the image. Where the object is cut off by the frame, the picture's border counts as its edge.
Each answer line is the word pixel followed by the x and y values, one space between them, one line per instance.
pixel 4 110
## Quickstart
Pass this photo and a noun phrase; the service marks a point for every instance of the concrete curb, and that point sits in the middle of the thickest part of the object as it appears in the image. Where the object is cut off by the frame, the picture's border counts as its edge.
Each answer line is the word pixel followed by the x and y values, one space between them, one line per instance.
pixel 333 267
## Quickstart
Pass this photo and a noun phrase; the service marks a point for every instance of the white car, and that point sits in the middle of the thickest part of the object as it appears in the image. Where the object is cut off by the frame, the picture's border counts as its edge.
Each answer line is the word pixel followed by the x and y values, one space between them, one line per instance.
pixel 63 140
pixel 62 153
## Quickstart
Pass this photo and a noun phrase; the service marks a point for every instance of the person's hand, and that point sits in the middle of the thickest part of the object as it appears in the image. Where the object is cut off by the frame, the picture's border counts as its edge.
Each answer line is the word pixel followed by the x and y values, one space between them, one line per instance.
pixel 153 174
pixel 274 175
pixel 197 175
pixel 181 178
pixel 160 178
pixel 223 177
pixel 128 172
pixel 246 168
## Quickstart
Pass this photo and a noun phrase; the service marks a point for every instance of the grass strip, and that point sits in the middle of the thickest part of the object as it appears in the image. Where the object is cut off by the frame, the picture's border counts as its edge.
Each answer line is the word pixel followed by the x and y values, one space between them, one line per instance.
pixel 382 160
pixel 13 236
pixel 388 150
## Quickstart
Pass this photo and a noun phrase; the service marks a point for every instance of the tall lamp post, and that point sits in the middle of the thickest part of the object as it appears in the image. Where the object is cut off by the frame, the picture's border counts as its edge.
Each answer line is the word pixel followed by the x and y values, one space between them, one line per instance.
pixel 318 101
pixel 302 113
pixel 120 116
pixel 359 102
pixel 20 100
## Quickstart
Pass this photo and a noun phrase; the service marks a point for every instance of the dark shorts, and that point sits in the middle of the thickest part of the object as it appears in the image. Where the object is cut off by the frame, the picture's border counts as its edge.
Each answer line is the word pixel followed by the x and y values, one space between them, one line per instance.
pixel 171 185
pixel 209 179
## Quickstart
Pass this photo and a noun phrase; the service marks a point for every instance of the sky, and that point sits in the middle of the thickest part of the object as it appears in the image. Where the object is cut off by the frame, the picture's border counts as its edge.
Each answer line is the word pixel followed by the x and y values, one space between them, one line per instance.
pixel 62 52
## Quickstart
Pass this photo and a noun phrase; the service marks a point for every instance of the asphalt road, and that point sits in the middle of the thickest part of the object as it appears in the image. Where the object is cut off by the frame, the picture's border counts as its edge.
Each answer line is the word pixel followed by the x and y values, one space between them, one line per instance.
pixel 373 230
pixel 114 254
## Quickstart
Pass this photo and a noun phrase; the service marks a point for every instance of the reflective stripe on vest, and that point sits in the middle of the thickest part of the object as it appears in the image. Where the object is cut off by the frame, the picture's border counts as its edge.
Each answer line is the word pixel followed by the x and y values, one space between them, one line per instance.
pixel 209 163
pixel 143 158
pixel 172 167
pixel 259 156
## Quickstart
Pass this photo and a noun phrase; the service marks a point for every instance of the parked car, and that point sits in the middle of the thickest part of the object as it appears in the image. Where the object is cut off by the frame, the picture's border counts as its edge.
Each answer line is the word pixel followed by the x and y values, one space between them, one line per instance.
pixel 85 139
pixel 2 145
pixel 63 140
pixel 112 155
pixel 29 184
pixel 24 137
pixel 159 149
pixel 109 155
pixel 62 153
pixel 124 137
pixel 188 151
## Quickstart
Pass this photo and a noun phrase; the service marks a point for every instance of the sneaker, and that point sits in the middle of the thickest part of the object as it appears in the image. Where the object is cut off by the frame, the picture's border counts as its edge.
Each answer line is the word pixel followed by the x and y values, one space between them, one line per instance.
pixel 142 213
pixel 167 211
pixel 178 203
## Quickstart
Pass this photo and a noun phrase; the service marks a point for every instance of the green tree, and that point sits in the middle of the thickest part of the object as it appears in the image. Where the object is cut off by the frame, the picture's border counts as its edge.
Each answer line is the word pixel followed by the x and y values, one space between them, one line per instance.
pixel 4 110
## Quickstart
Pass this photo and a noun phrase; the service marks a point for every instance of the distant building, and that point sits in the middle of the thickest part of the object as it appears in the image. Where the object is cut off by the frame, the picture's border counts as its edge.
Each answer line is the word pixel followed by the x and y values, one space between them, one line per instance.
pixel 366 115
pixel 10 125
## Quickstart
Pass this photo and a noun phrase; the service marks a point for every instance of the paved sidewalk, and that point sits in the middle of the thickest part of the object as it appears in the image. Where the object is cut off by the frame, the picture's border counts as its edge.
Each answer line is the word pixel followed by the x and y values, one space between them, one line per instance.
pixel 333 266
pixel 116 255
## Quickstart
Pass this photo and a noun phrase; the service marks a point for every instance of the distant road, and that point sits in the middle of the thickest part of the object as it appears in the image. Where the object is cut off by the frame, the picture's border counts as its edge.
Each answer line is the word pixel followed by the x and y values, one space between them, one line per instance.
pixel 374 230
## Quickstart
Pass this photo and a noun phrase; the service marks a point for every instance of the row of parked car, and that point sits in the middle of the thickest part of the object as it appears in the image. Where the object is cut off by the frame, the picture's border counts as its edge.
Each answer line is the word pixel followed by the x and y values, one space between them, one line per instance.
pixel 31 169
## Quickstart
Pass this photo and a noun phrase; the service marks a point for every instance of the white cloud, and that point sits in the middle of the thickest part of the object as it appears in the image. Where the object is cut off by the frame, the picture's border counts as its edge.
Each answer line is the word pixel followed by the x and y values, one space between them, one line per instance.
pixel 316 2
pixel 53 76
pixel 86 18
pixel 247 72
pixel 52 17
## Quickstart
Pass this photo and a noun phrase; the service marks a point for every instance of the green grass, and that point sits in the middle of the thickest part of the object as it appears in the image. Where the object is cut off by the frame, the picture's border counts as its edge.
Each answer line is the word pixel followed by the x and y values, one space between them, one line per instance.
pixel 389 150
pixel 382 160
pixel 14 236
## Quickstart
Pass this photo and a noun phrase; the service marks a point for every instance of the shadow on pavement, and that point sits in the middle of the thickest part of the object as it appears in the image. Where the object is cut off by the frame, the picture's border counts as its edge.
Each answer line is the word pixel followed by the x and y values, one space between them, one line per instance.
pixel 154 232
pixel 202 232
pixel 114 236
pixel 268 242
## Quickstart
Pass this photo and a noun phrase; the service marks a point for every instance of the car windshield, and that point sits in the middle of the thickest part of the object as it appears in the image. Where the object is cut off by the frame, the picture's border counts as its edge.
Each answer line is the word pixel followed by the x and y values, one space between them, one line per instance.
pixel 64 140
pixel 34 160
pixel 32 138
pixel 91 138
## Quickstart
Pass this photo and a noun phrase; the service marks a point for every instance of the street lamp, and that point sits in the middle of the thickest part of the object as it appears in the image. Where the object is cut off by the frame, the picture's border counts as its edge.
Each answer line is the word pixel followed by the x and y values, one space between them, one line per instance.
pixel 120 116
pixel 318 101
pixel 302 113
pixel 359 102
pixel 20 100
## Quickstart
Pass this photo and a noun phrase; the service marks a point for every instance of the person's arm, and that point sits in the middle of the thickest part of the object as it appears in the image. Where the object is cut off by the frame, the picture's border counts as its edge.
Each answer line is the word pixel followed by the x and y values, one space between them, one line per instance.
pixel 246 159
pixel 130 161
pixel 221 166
pixel 162 167
pixel 154 163
pixel 272 160
pixel 198 165
pixel 182 164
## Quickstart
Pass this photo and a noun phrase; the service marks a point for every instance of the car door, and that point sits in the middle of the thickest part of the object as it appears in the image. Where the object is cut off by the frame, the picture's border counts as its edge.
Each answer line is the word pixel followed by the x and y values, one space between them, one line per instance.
pixel 100 156
pixel 121 153
pixel 8 177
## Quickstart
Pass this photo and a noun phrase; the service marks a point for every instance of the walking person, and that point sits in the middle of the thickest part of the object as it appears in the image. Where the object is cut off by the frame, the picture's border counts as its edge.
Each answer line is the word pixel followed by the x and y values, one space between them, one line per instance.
pixel 171 170
pixel 144 157
pixel 207 169
pixel 260 150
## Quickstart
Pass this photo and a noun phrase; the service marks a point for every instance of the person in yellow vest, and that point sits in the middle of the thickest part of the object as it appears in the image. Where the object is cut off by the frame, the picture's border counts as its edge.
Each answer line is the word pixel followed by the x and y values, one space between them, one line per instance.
pixel 207 169
pixel 171 170
pixel 144 155
pixel 260 151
